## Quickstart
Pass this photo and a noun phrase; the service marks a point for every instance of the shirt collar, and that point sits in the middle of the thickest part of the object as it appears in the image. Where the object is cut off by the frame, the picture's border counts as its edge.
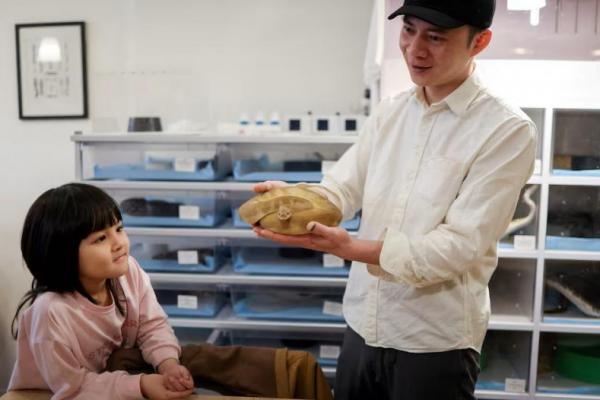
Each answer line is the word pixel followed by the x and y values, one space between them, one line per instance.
pixel 459 100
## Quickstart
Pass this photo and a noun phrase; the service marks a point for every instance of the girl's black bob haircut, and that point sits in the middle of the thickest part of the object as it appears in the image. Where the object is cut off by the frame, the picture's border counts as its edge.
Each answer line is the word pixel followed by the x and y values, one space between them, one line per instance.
pixel 54 227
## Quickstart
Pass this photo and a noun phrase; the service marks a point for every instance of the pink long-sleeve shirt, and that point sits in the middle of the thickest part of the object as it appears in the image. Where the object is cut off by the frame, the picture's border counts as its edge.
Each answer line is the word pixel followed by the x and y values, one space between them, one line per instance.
pixel 65 340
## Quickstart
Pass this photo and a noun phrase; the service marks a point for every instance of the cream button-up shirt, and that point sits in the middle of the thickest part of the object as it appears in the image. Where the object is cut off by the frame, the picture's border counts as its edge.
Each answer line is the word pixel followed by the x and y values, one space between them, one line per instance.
pixel 439 185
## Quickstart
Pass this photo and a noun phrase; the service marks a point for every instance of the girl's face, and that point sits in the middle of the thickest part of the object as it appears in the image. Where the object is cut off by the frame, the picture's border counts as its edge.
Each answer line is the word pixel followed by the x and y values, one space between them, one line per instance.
pixel 103 255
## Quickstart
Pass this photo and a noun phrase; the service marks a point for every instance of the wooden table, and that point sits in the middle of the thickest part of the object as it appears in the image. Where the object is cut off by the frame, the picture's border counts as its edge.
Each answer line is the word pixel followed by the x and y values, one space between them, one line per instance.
pixel 44 395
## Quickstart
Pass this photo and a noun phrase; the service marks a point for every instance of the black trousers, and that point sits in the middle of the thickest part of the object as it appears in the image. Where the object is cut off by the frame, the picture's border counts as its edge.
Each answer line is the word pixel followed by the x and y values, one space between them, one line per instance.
pixel 365 372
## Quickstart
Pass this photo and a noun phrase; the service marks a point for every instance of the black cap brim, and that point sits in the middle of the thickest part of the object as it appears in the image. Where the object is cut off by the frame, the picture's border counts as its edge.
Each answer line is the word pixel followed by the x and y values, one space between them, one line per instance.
pixel 427 14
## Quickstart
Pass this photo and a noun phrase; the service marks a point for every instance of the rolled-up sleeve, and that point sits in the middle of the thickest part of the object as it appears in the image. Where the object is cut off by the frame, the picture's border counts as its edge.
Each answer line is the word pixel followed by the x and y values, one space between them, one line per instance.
pixel 476 219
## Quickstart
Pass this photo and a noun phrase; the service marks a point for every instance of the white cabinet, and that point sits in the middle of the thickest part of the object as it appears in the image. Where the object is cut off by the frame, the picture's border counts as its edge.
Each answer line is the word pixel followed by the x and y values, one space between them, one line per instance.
pixel 179 195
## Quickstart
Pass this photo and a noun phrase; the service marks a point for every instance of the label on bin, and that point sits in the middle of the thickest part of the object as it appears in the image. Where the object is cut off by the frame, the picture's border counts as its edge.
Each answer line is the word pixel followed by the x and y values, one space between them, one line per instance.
pixel 189 212
pixel 187 301
pixel 331 261
pixel 187 257
pixel 332 308
pixel 524 242
pixel 515 385
pixel 326 166
pixel 185 164
pixel 326 351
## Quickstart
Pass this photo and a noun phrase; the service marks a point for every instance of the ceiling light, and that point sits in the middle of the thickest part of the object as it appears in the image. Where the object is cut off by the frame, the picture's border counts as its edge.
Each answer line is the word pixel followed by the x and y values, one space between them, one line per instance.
pixel 520 51
pixel 596 52
pixel 533 6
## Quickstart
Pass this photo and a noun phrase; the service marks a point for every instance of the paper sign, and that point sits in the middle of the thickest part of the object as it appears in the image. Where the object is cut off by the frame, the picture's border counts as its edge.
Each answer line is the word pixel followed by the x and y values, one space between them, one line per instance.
pixel 189 212
pixel 332 308
pixel 331 261
pixel 185 164
pixel 524 242
pixel 185 301
pixel 187 257
pixel 326 351
pixel 515 385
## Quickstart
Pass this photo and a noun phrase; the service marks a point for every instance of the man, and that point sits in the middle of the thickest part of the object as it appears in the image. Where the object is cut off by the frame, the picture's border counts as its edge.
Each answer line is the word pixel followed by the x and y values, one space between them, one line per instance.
pixel 437 172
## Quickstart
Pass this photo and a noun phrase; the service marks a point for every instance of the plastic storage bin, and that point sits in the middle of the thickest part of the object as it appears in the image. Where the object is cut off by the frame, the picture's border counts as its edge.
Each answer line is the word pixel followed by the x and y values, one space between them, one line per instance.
pixel 523 229
pixel 273 161
pixel 177 254
pixel 155 161
pixel 324 347
pixel 269 260
pixel 571 292
pixel 576 143
pixel 198 336
pixel 294 304
pixel 573 218
pixel 174 208
pixel 569 364
pixel 512 288
pixel 504 362
pixel 190 303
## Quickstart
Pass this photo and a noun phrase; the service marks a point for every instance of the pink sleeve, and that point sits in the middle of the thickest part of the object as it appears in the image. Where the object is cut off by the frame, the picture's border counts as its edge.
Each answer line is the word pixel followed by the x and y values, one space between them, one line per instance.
pixel 155 338
pixel 69 380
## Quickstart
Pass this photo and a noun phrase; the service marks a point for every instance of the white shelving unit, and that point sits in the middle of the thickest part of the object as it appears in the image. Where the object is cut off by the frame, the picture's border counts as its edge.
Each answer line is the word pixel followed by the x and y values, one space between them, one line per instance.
pixel 525 267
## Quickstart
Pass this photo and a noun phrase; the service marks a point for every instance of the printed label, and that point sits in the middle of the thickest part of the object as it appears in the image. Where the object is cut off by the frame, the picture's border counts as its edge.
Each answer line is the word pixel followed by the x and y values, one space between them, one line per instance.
pixel 186 301
pixel 326 351
pixel 515 385
pixel 187 257
pixel 524 242
pixel 185 164
pixel 331 261
pixel 189 212
pixel 332 308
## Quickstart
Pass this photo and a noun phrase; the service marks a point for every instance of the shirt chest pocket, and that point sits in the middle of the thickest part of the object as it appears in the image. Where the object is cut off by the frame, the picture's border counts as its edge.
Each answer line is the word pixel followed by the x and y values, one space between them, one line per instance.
pixel 439 181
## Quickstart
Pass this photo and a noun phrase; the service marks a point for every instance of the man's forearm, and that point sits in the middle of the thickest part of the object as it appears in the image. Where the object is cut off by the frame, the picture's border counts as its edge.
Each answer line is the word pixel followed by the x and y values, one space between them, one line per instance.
pixel 366 251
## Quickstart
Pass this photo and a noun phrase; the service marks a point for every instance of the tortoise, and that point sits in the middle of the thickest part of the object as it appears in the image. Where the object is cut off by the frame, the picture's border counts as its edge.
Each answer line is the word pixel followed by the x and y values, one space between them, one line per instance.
pixel 289 209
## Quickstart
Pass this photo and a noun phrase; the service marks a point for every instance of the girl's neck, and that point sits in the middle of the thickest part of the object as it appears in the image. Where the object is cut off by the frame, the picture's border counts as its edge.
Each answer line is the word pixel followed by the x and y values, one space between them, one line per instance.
pixel 99 292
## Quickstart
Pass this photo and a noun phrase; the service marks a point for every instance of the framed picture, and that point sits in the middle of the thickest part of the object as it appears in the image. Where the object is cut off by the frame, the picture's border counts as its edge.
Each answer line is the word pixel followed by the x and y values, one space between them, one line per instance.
pixel 51 70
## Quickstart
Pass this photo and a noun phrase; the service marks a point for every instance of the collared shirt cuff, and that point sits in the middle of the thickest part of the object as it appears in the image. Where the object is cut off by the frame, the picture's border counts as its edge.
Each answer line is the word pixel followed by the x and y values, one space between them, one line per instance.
pixel 163 354
pixel 395 255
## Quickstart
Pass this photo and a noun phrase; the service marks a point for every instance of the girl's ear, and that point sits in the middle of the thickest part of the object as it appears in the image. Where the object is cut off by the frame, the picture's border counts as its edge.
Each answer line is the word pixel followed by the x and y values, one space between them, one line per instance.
pixel 481 41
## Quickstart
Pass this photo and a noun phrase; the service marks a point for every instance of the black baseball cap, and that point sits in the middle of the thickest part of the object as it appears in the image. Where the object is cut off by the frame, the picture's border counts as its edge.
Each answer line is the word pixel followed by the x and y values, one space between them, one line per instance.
pixel 450 13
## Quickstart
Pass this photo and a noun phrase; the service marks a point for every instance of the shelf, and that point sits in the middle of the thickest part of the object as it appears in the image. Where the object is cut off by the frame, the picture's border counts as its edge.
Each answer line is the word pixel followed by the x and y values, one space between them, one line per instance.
pixel 227 320
pixel 329 372
pixel 504 252
pixel 165 137
pixel 226 276
pixel 571 255
pixel 492 394
pixel 574 180
pixel 171 185
pixel 548 396
pixel 573 326
pixel 510 323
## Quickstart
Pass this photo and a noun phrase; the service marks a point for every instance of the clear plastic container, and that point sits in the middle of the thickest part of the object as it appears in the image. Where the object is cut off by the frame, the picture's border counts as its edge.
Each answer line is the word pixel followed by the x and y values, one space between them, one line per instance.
pixel 522 232
pixel 576 143
pixel 177 254
pixel 573 218
pixel 504 362
pixel 155 161
pixel 569 364
pixel 293 304
pixel 174 208
pixel 571 292
pixel 264 259
pixel 512 288
pixel 255 162
pixel 205 303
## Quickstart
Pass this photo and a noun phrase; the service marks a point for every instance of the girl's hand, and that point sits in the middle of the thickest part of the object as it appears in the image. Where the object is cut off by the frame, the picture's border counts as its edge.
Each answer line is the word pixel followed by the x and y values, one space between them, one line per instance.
pixel 177 377
pixel 154 387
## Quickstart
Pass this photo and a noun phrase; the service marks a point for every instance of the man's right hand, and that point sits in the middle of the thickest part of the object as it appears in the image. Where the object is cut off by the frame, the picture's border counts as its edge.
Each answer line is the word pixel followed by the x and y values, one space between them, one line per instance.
pixel 153 387
pixel 268 185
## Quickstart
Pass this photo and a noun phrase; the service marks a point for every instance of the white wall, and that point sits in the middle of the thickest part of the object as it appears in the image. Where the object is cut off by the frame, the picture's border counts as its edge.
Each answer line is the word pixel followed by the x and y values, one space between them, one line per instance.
pixel 202 60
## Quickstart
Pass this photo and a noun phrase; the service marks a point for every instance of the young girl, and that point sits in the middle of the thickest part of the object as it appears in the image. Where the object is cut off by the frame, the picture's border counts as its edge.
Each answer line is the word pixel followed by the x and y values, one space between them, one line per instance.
pixel 88 298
